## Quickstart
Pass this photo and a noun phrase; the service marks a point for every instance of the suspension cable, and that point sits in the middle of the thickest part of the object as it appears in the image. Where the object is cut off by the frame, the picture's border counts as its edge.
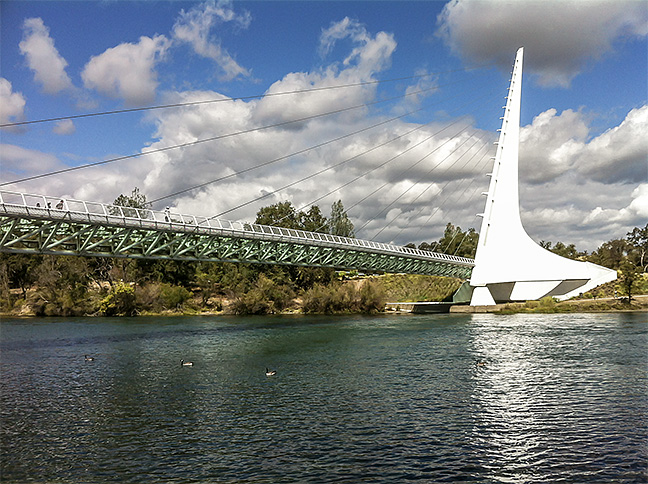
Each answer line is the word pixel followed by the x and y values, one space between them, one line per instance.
pixel 305 150
pixel 463 182
pixel 192 143
pixel 362 175
pixel 373 169
pixel 214 138
pixel 344 162
pixel 429 185
pixel 240 98
pixel 312 175
pixel 477 166
pixel 404 192
pixel 385 184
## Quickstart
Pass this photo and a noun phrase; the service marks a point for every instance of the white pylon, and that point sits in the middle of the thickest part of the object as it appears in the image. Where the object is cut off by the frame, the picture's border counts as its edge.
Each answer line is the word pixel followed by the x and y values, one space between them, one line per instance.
pixel 509 265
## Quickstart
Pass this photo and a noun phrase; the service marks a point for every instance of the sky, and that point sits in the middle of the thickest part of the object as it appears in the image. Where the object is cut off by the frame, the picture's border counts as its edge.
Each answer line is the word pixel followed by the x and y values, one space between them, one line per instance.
pixel 390 106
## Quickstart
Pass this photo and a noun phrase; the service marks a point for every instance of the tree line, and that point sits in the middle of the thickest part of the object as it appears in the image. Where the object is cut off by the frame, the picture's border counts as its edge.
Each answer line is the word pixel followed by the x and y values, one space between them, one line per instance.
pixel 47 285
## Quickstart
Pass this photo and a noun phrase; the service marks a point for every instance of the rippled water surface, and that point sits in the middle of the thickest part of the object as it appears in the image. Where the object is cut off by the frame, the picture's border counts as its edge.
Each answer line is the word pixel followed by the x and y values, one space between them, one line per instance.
pixel 429 398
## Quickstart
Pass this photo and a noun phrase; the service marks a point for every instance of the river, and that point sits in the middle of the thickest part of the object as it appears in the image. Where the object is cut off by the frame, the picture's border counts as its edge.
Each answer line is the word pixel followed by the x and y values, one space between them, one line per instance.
pixel 387 399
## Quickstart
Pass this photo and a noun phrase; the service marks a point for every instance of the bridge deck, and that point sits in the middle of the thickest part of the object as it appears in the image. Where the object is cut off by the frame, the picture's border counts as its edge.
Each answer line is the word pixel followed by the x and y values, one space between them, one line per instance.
pixel 39 224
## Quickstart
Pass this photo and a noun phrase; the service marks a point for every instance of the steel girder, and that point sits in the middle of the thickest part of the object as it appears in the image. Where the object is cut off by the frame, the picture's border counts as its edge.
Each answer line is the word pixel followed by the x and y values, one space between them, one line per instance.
pixel 23 234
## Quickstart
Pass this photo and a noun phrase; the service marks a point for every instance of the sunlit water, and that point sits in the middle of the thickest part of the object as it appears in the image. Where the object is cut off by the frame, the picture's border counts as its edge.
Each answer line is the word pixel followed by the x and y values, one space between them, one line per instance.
pixel 429 398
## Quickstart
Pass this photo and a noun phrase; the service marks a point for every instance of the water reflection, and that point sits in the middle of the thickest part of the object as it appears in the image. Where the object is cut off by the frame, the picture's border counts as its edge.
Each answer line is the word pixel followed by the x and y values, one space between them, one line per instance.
pixel 545 407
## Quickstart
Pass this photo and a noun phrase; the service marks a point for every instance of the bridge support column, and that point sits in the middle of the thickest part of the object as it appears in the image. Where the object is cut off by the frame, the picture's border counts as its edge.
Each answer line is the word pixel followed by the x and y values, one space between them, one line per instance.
pixel 509 265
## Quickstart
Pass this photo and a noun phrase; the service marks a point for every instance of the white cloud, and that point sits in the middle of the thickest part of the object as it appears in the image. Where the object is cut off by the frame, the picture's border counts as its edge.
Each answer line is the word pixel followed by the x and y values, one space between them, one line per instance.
pixel 425 86
pixel 634 214
pixel 18 162
pixel 338 31
pixel 128 70
pixel 579 184
pixel 639 204
pixel 194 27
pixel 621 153
pixel 64 127
pixel 559 37
pixel 178 169
pixel 43 58
pixel 586 215
pixel 549 145
pixel 369 55
pixel 564 170
pixel 12 104
pixel 554 144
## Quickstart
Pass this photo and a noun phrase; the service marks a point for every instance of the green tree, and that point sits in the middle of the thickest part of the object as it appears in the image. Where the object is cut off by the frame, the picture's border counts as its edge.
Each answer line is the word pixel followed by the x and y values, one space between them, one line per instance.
pixel 280 214
pixel 135 200
pixel 468 244
pixel 61 286
pixel 339 222
pixel 568 251
pixel 112 269
pixel 629 273
pixel 313 220
pixel 283 214
pixel 306 277
pixel 456 242
pixel 20 270
pixel 265 297
pixel 120 301
pixel 611 254
pixel 638 239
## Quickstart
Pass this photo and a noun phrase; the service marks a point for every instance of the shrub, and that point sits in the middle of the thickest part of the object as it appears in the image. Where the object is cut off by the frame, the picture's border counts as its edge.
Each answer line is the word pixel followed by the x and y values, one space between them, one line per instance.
pixel 173 297
pixel 344 298
pixel 372 297
pixel 266 297
pixel 158 297
pixel 120 301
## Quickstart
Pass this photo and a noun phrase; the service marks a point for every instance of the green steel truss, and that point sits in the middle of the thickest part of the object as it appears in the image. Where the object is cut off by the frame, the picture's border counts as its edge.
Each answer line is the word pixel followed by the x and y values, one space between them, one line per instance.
pixel 156 235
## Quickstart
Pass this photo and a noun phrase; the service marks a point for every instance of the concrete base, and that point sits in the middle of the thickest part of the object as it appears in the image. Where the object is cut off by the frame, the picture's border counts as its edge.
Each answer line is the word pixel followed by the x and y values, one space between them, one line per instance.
pixel 420 307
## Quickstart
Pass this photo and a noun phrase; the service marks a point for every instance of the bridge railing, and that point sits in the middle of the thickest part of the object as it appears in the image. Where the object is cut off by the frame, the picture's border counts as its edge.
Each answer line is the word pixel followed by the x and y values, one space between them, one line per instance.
pixel 43 206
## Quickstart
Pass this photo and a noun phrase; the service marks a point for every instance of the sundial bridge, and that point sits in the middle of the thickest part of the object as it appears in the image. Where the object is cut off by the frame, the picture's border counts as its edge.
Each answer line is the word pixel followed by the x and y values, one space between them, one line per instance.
pixel 508 266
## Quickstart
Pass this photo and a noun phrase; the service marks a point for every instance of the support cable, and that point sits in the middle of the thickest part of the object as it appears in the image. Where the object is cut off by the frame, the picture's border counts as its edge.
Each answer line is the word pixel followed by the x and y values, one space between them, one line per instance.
pixel 462 240
pixel 362 175
pixel 456 232
pixel 429 185
pixel 305 150
pixel 241 98
pixel 486 157
pixel 346 161
pixel 385 184
pixel 375 168
pixel 445 186
pixel 312 175
pixel 404 192
pixel 205 140
pixel 415 184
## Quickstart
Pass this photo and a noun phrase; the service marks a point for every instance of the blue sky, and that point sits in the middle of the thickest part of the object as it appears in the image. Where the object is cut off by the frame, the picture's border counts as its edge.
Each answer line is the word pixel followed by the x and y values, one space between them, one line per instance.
pixel 583 156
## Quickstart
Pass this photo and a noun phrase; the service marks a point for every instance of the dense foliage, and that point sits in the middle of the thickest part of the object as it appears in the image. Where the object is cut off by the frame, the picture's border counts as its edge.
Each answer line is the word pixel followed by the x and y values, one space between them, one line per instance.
pixel 454 242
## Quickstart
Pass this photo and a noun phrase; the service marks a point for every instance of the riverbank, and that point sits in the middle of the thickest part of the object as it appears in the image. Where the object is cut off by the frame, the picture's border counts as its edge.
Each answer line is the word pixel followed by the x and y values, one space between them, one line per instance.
pixel 599 305
pixel 363 295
